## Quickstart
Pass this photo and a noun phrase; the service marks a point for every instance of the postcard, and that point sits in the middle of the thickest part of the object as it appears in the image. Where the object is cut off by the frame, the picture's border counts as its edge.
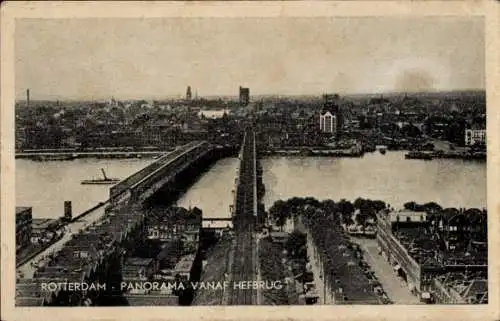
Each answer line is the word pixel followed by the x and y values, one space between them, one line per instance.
pixel 262 160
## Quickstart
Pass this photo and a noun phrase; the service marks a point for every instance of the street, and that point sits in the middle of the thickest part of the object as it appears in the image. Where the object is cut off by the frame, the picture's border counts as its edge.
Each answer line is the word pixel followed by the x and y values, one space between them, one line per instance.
pixel 28 269
pixel 396 290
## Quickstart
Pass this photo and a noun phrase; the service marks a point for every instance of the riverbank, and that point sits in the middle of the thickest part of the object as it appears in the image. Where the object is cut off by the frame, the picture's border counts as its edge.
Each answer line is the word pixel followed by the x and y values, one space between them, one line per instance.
pixel 31 251
pixel 65 156
pixel 313 152
pixel 446 155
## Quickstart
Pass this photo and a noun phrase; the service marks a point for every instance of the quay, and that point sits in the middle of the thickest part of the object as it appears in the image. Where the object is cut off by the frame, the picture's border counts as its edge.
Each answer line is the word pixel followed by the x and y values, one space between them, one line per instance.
pixel 446 155
pixel 47 156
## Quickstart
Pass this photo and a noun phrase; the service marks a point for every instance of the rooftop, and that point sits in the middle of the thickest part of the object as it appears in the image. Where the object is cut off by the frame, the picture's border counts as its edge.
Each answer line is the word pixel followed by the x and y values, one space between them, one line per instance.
pixel 92 245
pixel 185 263
pixel 428 248
pixel 43 223
pixel 21 209
pixel 472 288
pixel 340 257
pixel 138 261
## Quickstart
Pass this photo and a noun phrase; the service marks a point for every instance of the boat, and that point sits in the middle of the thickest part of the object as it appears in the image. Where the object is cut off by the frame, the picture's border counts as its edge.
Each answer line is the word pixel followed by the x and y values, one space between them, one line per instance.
pixel 53 157
pixel 419 155
pixel 382 151
pixel 104 181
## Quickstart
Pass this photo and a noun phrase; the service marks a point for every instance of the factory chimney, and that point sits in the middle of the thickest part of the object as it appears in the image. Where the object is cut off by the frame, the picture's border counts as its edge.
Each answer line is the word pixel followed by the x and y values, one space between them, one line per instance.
pixel 28 97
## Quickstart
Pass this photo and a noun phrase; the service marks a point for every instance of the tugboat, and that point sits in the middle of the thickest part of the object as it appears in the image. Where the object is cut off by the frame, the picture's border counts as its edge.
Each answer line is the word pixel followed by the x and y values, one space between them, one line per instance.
pixel 106 180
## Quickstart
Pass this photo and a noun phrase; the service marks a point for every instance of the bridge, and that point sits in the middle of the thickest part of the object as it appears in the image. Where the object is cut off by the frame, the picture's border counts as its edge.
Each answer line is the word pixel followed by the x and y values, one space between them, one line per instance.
pixel 143 184
pixel 94 251
pixel 243 266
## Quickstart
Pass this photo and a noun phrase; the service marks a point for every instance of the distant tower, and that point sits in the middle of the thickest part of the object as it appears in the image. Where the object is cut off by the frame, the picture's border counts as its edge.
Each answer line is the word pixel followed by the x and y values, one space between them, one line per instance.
pixel 28 97
pixel 188 93
pixel 244 96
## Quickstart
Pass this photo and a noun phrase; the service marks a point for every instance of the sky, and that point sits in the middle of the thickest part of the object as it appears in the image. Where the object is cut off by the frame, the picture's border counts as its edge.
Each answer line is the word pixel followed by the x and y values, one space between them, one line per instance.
pixel 159 57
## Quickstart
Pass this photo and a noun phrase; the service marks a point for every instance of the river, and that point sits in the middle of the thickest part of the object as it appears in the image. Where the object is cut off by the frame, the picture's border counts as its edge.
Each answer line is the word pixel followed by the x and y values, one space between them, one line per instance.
pixel 45 186
pixel 391 178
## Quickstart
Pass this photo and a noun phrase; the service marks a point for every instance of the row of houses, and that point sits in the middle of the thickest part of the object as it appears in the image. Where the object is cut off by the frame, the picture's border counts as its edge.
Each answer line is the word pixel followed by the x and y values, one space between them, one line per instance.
pixel 31 232
pixel 109 248
pixel 425 248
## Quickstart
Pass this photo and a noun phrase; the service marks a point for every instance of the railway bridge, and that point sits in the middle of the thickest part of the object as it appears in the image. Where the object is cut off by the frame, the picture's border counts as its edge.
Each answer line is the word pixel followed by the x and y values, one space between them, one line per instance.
pixel 243 267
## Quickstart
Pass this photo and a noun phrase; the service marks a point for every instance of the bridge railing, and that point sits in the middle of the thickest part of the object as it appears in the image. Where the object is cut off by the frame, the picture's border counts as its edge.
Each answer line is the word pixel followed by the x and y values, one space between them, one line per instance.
pixel 175 162
pixel 123 185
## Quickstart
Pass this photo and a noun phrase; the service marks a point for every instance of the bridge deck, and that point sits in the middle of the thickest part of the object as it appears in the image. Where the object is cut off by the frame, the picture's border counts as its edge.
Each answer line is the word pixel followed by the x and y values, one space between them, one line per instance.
pixel 149 170
pixel 147 181
pixel 243 268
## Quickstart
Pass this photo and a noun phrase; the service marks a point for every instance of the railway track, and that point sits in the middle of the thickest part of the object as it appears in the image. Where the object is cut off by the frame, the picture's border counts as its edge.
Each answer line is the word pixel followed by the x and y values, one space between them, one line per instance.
pixel 244 266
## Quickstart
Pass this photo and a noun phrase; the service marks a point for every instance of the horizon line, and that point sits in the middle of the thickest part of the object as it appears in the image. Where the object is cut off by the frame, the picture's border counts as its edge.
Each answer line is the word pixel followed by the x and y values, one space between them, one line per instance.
pixel 182 96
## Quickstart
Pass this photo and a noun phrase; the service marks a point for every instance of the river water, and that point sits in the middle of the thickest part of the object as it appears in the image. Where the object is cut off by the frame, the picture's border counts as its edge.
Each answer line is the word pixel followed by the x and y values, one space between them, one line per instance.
pixel 391 178
pixel 46 185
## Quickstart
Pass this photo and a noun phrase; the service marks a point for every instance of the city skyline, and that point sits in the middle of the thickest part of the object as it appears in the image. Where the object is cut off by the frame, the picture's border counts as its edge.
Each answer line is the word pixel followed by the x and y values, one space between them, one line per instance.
pixel 155 58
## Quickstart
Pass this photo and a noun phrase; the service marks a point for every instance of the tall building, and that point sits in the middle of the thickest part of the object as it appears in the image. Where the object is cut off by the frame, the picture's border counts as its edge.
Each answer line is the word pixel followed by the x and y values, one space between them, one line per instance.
pixel 188 93
pixel 24 219
pixel 329 118
pixel 244 96
pixel 475 135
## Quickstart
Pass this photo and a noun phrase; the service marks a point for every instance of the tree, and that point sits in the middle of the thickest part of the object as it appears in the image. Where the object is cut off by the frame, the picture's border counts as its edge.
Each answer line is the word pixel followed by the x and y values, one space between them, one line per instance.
pixel 345 207
pixel 279 213
pixel 411 206
pixel 295 243
pixel 432 207
pixel 329 206
pixel 378 205
pixel 358 203
pixel 361 218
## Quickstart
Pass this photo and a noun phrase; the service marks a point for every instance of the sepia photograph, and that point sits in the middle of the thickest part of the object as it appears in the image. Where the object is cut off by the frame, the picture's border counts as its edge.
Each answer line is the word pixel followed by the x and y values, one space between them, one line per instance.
pixel 250 161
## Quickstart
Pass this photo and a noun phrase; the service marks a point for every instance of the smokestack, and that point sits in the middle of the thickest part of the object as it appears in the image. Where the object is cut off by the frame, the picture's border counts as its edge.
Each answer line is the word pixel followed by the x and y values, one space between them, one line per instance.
pixel 68 212
pixel 28 96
